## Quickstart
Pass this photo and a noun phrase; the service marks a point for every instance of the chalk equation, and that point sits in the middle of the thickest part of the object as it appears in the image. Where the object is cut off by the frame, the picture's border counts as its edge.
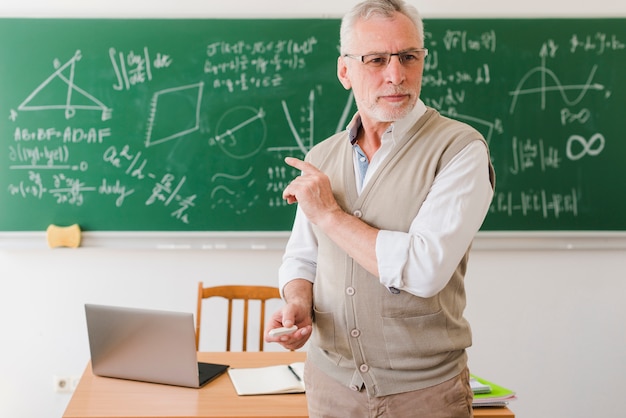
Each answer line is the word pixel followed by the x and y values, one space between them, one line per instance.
pixel 547 204
pixel 132 68
pixel 244 65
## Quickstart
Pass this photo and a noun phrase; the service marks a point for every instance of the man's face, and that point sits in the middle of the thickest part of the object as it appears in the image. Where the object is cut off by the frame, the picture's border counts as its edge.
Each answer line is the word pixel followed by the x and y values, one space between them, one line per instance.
pixel 388 93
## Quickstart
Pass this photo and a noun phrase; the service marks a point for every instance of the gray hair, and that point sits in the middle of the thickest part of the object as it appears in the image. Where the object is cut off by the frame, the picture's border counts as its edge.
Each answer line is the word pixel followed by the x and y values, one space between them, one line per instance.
pixel 384 8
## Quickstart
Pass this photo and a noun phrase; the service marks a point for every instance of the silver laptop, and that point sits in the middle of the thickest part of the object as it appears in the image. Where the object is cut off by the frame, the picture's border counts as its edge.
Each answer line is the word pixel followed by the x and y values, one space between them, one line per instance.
pixel 146 345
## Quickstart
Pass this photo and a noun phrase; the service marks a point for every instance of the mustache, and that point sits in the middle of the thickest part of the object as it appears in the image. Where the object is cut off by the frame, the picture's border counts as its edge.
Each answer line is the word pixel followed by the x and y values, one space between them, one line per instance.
pixel 395 91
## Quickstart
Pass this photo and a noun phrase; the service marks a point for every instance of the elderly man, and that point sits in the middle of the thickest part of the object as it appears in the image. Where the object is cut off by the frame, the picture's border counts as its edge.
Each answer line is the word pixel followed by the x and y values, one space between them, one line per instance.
pixel 374 269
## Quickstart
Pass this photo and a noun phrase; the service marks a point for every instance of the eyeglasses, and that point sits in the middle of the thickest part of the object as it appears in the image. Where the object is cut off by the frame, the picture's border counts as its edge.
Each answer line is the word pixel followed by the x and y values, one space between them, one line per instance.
pixel 408 58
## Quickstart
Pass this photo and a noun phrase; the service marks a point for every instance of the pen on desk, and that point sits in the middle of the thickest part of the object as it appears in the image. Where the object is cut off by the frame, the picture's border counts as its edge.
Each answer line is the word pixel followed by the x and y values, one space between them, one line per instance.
pixel 294 373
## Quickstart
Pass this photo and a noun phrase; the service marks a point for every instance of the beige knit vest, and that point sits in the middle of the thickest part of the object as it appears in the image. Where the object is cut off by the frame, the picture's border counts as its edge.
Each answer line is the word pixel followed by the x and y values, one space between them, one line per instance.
pixel 363 333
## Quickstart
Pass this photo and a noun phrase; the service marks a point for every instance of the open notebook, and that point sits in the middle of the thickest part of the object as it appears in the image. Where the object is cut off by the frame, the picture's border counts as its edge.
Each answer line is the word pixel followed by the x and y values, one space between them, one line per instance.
pixel 268 380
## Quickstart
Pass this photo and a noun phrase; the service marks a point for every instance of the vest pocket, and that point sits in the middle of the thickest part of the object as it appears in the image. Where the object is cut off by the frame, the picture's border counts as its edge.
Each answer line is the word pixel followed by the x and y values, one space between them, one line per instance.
pixel 328 340
pixel 418 342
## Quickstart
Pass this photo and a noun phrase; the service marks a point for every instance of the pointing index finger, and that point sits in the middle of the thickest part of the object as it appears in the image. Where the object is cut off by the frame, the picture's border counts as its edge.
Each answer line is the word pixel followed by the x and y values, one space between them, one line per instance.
pixel 301 165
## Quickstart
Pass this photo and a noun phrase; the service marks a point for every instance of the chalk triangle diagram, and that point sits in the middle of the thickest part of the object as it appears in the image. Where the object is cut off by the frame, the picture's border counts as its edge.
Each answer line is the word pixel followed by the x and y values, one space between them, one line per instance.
pixel 59 92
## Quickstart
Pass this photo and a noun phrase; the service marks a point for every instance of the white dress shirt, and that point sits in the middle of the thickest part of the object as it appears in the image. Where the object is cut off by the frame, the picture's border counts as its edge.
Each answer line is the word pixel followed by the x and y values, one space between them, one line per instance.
pixel 422 260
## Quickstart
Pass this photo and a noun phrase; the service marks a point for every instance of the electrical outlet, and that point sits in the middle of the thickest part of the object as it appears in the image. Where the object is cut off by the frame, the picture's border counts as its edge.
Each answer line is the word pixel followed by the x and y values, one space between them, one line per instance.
pixel 62 384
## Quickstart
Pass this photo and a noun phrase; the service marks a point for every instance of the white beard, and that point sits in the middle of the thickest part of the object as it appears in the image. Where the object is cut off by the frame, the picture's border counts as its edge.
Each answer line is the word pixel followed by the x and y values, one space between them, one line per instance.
pixel 390 114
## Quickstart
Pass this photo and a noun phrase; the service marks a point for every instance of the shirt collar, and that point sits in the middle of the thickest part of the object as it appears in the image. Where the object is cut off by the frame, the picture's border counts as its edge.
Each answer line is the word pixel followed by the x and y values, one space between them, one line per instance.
pixel 399 127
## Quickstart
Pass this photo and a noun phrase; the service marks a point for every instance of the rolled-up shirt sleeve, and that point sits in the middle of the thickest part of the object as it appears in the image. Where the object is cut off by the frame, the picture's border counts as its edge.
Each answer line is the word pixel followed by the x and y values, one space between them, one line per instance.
pixel 300 257
pixel 422 260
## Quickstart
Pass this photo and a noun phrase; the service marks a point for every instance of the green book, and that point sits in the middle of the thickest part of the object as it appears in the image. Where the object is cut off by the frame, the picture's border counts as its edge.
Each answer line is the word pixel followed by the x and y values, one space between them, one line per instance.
pixel 498 396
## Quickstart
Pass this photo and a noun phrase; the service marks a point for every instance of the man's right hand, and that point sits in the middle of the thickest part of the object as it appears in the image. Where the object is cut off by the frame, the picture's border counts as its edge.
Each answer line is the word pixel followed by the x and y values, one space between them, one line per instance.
pixel 297 311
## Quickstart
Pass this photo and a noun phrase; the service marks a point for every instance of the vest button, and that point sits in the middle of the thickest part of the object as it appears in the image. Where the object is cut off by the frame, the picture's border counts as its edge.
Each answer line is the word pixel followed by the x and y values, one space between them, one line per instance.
pixel 354 388
pixel 355 333
pixel 357 213
pixel 364 368
pixel 350 291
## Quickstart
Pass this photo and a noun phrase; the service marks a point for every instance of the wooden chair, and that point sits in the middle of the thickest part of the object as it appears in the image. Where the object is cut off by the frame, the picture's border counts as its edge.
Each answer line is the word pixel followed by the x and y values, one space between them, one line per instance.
pixel 231 293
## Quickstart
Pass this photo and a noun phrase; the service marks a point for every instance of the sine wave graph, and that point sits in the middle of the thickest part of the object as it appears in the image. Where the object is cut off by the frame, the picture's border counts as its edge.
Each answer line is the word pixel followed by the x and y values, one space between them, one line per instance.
pixel 544 88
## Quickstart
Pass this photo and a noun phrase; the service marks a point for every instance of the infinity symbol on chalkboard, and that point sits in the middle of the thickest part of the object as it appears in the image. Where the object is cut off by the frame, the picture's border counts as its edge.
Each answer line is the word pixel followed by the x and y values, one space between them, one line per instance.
pixel 593 147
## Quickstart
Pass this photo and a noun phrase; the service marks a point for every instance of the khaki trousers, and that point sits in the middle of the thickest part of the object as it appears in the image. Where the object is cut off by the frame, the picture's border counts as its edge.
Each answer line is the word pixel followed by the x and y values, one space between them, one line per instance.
pixel 327 398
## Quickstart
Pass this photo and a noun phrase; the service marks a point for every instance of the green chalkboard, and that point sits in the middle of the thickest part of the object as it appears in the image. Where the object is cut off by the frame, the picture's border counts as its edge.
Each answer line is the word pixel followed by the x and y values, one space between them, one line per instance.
pixel 182 124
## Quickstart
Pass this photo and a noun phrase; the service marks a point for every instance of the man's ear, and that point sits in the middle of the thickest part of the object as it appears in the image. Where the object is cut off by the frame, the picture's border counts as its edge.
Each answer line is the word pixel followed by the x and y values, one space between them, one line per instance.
pixel 342 73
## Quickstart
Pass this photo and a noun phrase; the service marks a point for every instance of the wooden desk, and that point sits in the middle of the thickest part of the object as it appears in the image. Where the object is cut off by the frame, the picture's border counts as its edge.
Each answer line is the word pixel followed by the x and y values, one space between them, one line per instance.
pixel 100 397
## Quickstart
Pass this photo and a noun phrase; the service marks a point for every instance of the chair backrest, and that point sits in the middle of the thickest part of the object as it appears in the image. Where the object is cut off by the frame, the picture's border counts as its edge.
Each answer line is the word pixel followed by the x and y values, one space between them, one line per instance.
pixel 231 293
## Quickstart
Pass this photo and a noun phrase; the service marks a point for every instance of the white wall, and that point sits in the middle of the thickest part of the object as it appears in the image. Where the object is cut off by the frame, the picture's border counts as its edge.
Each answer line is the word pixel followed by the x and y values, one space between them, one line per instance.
pixel 547 323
